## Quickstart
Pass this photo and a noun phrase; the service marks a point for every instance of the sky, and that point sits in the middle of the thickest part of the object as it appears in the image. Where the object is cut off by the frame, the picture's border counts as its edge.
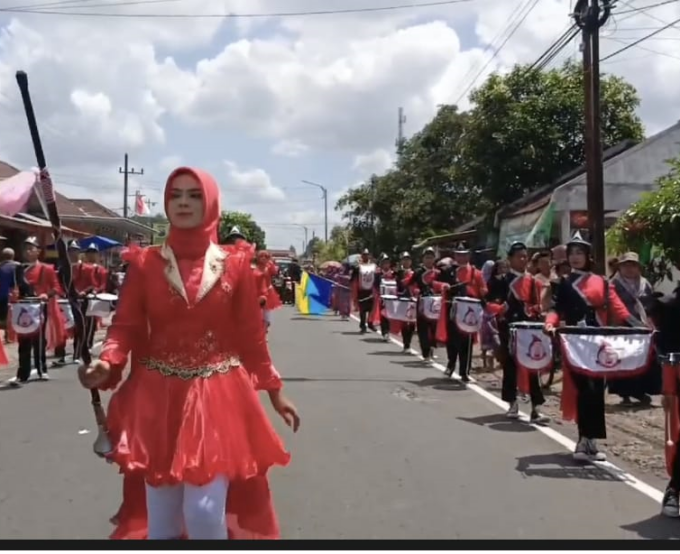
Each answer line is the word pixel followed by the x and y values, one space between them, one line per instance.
pixel 264 100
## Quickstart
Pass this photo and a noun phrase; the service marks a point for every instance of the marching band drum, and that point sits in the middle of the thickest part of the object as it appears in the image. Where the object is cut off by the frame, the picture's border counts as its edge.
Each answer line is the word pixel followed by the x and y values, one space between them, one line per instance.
pixel 467 313
pixel 399 309
pixel 530 347
pixel 430 307
pixel 66 312
pixel 606 352
pixel 388 288
pixel 27 316
pixel 101 305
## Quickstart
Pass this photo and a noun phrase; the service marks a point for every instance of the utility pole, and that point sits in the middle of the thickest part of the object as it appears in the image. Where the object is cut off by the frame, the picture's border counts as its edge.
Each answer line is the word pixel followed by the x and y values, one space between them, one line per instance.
pixel 125 171
pixel 400 131
pixel 324 196
pixel 590 16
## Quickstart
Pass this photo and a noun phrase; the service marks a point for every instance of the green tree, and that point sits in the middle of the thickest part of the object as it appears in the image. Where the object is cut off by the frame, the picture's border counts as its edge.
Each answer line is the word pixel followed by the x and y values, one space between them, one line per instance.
pixel 244 221
pixel 526 129
pixel 653 221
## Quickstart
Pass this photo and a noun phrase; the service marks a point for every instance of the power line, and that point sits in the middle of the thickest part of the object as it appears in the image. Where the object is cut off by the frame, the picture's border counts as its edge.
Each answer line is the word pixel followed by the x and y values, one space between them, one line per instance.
pixel 528 10
pixel 555 48
pixel 640 40
pixel 238 15
pixel 643 9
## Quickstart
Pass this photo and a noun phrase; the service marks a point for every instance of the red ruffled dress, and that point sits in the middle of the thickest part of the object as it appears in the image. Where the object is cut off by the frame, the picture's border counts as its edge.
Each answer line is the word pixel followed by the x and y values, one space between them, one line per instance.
pixel 190 410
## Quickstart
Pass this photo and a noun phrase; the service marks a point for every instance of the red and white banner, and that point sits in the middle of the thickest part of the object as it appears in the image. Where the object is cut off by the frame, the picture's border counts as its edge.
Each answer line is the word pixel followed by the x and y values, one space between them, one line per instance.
pixel 531 347
pixel 27 318
pixel 67 313
pixel 430 307
pixel 399 309
pixel 607 354
pixel 467 313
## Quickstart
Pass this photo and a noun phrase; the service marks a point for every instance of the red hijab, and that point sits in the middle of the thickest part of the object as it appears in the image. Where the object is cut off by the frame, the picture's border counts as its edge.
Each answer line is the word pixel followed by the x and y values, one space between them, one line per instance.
pixel 192 243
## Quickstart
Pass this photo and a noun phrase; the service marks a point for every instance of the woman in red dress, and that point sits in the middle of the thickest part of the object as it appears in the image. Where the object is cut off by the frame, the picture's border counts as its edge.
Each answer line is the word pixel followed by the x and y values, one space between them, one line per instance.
pixel 187 427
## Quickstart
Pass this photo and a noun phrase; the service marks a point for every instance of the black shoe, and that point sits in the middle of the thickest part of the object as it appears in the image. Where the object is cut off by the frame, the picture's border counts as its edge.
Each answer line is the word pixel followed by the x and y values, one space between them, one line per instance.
pixel 670 505
pixel 465 378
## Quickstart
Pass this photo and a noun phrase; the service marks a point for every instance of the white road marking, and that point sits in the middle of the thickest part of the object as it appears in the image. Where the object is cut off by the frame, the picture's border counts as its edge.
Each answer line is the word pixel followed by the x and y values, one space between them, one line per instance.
pixel 620 474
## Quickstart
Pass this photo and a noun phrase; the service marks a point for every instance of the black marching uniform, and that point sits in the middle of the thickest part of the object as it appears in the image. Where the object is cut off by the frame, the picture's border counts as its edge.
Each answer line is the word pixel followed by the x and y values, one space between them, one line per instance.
pixel 425 328
pixel 404 291
pixel 517 310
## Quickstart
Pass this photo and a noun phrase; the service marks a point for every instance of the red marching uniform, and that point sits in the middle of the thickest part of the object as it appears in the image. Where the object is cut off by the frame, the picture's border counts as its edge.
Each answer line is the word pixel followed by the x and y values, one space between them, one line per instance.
pixel 189 412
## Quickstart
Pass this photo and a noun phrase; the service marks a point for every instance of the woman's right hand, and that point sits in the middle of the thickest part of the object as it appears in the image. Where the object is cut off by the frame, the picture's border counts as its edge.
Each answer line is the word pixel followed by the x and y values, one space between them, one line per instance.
pixel 94 375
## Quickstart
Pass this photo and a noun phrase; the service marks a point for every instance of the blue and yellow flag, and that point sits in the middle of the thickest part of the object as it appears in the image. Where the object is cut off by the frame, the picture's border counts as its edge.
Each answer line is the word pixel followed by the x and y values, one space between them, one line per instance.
pixel 313 295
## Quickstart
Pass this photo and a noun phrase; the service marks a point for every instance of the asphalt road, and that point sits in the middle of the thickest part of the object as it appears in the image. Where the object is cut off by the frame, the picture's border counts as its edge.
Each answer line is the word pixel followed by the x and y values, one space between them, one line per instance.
pixel 387 450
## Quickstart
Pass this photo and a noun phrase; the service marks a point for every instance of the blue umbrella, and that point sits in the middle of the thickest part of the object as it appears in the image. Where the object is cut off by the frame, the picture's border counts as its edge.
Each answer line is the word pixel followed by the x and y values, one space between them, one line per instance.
pixel 102 243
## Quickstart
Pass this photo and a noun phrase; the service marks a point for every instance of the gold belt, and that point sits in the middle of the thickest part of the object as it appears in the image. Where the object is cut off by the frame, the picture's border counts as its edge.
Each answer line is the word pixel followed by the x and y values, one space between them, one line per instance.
pixel 168 369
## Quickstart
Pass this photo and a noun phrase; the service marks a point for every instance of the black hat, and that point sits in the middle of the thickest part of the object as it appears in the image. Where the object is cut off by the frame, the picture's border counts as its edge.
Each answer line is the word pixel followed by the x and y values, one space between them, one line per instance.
pixel 33 241
pixel 236 233
pixel 405 255
pixel 516 247
pixel 73 245
pixel 462 248
pixel 578 240
pixel 365 252
pixel 429 250
pixel 92 247
pixel 384 258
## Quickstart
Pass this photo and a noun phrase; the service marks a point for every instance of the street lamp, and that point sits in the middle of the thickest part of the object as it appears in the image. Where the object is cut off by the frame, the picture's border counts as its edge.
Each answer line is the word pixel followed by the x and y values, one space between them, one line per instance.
pixel 324 191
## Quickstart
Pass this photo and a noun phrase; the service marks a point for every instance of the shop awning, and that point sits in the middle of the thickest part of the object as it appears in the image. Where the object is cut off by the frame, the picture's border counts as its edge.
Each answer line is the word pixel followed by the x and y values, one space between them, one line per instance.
pixel 122 224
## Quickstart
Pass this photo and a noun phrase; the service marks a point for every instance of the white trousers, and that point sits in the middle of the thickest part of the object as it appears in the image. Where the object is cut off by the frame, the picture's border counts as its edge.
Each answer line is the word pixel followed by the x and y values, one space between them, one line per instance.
pixel 198 510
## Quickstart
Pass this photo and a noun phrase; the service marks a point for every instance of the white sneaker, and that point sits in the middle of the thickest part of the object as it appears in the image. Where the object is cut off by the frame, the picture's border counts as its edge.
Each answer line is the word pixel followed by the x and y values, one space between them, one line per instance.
pixel 14 382
pixel 44 377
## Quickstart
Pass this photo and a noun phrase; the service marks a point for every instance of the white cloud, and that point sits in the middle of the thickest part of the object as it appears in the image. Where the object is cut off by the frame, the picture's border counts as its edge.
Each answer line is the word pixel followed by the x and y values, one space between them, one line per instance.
pixel 290 148
pixel 169 163
pixel 376 162
pixel 104 86
pixel 251 183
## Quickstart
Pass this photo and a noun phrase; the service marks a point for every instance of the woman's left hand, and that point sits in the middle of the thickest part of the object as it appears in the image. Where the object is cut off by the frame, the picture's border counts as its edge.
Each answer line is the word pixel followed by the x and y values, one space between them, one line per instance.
pixel 286 410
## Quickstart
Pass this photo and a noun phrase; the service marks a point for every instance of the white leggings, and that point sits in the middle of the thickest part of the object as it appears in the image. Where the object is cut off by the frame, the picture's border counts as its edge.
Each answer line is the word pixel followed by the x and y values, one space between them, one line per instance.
pixel 199 510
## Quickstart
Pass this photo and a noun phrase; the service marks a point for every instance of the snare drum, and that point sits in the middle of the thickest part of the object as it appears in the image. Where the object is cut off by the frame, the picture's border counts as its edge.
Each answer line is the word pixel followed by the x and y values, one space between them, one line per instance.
pixel 67 313
pixel 388 288
pixel 399 309
pixel 606 352
pixel 101 305
pixel 27 316
pixel 468 314
pixel 530 347
pixel 430 307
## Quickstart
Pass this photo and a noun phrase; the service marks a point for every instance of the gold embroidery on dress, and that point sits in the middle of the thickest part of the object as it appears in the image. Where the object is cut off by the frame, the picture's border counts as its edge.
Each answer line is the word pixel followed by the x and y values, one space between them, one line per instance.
pixel 168 369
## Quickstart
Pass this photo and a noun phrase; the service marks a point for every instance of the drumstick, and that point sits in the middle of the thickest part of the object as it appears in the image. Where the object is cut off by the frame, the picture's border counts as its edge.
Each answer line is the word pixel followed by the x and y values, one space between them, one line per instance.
pixel 102 445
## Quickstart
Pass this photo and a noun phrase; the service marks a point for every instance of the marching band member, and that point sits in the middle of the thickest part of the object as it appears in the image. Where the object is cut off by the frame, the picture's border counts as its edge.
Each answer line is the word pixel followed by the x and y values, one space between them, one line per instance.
pixel 88 278
pixel 188 420
pixel 73 250
pixel 423 279
pixel 404 276
pixel 265 269
pixel 384 272
pixel 585 298
pixel 36 279
pixel 363 287
pixel 520 295
pixel 464 280
pixel 235 236
pixel 664 312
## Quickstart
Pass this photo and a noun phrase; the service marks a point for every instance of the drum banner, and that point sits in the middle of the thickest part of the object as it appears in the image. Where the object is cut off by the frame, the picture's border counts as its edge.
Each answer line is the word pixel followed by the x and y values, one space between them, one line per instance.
pixel 56 326
pixel 430 307
pixel 27 319
pixel 532 349
pixel 99 308
pixel 67 313
pixel 400 310
pixel 467 316
pixel 608 355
